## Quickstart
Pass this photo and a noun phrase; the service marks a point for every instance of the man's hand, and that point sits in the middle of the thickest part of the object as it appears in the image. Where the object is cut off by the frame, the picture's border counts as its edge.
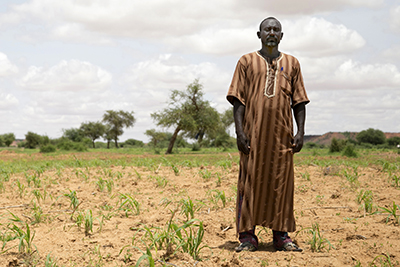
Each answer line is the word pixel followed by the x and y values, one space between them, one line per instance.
pixel 298 142
pixel 243 143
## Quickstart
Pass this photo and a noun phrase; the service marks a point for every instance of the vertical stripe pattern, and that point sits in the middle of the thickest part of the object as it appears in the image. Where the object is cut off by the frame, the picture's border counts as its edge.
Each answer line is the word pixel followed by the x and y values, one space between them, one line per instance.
pixel 266 176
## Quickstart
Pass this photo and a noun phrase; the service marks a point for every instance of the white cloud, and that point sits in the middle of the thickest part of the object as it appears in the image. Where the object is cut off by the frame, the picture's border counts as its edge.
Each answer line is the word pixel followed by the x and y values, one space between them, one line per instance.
pixel 304 7
pixel 72 75
pixel 8 101
pixel 6 67
pixel 316 37
pixel 157 19
pixel 339 73
pixel 395 18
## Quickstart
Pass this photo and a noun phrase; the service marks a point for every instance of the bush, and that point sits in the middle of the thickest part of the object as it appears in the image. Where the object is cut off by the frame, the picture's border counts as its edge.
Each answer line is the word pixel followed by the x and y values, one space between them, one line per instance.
pixel 337 145
pixel 47 148
pixel 132 143
pixel 196 147
pixel 371 136
pixel 68 145
pixel 349 151
pixel 393 141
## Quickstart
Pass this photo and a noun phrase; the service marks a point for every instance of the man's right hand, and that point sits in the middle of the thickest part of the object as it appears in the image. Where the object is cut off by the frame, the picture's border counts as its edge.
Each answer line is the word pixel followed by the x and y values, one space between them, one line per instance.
pixel 243 143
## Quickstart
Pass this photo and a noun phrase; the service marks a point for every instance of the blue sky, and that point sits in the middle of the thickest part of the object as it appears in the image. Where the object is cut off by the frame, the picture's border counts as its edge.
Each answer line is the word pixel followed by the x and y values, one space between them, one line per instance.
pixel 66 62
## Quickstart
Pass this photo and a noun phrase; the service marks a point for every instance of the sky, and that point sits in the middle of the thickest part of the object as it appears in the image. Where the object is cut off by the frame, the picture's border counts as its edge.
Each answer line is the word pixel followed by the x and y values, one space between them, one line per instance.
pixel 66 62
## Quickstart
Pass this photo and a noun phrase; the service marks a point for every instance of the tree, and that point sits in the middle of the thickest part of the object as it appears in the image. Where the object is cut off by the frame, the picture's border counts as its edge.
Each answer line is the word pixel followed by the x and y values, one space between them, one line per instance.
pixel 155 137
pixel 73 134
pixel 32 140
pixel 393 141
pixel 93 130
pixel 187 112
pixel 8 138
pixel 117 121
pixel 371 136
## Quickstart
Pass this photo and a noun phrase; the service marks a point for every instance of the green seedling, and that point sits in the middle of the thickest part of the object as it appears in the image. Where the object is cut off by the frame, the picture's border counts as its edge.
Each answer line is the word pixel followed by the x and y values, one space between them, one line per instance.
pixel 216 196
pixel 384 260
pixel 50 262
pixel 365 198
pixel 73 198
pixel 21 188
pixel 129 204
pixel 391 211
pixel 23 235
pixel 317 242
pixel 88 222
pixel 188 208
pixel 205 174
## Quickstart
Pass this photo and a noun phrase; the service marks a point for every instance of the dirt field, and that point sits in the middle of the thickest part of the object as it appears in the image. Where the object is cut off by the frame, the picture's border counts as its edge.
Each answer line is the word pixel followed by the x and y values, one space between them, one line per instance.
pixel 133 201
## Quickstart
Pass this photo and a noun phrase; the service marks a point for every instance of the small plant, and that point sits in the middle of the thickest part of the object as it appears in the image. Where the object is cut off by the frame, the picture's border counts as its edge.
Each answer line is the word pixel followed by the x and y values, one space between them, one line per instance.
pixel 305 176
pixel 23 235
pixel 73 198
pixel 219 179
pixel 21 188
pixel 188 208
pixel 88 222
pixel 129 204
pixel 317 241
pixel 175 169
pixel 100 183
pixel 352 176
pixel 161 181
pixel 384 260
pixel 146 256
pixel 216 196
pixel 349 151
pixel 391 211
pixel 205 174
pixel 365 198
pixel 50 262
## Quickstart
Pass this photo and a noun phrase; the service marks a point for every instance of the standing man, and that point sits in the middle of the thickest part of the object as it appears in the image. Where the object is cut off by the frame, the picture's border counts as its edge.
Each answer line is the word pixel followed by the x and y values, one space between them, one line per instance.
pixel 266 86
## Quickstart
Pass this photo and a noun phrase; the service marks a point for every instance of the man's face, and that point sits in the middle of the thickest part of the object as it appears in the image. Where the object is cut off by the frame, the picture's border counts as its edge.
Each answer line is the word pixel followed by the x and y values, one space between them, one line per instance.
pixel 270 32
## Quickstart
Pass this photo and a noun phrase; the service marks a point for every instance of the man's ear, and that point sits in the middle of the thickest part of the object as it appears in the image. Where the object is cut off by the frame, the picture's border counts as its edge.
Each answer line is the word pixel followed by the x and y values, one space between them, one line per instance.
pixel 281 35
pixel 259 35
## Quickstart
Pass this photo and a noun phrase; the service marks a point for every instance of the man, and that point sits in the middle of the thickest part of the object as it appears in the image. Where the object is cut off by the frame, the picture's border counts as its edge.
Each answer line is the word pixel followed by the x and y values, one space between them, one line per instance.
pixel 266 86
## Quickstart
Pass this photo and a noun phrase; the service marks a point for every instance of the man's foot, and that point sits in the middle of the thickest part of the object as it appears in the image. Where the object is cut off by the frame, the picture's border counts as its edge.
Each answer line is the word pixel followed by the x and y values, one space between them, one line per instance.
pixel 283 242
pixel 289 246
pixel 245 246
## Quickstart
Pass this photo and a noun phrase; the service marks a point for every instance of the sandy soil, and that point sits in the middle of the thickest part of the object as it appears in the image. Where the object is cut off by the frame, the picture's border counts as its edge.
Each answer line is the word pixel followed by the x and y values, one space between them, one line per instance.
pixel 323 196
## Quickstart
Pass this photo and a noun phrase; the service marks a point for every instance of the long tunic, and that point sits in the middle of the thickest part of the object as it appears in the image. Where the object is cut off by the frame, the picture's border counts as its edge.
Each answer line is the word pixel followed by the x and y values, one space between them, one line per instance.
pixel 266 176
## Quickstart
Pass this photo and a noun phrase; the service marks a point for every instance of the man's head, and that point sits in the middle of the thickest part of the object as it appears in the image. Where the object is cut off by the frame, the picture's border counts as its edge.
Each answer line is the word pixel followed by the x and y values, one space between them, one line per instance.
pixel 270 32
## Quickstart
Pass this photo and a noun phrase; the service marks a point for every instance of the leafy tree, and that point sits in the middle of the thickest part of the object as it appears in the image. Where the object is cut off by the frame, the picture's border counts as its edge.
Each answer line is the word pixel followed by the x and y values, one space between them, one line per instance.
pixel 337 145
pixel 73 134
pixel 117 120
pixel 8 138
pixel 371 136
pixel 1 140
pixel 156 137
pixel 32 140
pixel 188 112
pixel 393 141
pixel 134 142
pixel 93 130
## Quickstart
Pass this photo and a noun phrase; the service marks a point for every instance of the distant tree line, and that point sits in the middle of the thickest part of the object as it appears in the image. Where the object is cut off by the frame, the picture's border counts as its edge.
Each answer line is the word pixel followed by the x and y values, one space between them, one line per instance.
pixel 188 114
pixel 370 138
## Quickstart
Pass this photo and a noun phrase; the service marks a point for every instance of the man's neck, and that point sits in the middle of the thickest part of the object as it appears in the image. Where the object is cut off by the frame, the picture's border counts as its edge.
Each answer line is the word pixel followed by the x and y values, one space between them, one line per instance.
pixel 269 53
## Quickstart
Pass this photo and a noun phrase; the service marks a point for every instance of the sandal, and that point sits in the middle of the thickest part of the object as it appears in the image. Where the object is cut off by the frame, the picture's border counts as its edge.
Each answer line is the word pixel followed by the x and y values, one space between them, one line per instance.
pixel 289 246
pixel 245 246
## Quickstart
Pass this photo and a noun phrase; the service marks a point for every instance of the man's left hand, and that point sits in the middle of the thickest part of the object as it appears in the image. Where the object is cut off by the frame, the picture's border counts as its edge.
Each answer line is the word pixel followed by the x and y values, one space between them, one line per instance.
pixel 297 142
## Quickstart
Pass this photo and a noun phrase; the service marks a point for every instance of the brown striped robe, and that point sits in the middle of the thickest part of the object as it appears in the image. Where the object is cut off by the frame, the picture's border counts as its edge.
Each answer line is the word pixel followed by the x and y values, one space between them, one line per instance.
pixel 266 177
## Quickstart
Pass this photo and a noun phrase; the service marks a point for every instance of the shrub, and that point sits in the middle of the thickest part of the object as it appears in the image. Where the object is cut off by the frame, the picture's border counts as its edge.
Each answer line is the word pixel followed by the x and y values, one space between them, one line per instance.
pixel 337 145
pixel 371 136
pixel 132 142
pixel 196 147
pixel 350 152
pixel 47 148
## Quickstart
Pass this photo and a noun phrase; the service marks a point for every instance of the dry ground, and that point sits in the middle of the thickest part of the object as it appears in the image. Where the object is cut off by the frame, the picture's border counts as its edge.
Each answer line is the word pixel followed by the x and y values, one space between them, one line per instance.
pixel 325 195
